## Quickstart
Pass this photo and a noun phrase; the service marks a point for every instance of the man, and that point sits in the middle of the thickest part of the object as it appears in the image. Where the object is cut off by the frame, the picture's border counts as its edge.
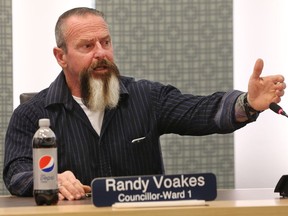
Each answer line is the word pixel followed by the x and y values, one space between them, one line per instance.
pixel 109 125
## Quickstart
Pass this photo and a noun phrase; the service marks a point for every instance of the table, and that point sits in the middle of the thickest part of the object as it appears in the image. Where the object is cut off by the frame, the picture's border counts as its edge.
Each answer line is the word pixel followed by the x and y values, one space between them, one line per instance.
pixel 236 202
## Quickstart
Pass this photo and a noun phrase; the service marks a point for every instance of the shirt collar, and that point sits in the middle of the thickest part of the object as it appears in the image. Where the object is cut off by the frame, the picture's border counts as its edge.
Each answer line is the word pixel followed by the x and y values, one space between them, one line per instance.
pixel 59 93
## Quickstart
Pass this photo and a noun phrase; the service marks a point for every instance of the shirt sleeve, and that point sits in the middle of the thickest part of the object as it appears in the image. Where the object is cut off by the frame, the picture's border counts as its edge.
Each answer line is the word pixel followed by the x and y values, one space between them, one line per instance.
pixel 18 163
pixel 229 111
pixel 188 114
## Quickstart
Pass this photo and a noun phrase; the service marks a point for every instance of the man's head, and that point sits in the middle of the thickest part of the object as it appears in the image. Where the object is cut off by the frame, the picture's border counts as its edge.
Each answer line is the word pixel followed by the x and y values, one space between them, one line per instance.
pixel 60 25
pixel 85 53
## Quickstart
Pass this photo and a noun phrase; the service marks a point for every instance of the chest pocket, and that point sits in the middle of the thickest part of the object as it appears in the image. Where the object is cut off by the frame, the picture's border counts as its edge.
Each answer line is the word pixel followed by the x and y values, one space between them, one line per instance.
pixel 145 155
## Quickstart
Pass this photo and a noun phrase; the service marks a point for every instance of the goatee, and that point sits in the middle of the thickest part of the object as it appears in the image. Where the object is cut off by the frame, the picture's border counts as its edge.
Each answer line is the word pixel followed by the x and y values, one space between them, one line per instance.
pixel 100 91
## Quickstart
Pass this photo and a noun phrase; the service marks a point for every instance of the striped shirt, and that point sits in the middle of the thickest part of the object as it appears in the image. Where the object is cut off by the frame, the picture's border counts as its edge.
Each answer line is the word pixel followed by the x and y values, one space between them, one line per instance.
pixel 129 140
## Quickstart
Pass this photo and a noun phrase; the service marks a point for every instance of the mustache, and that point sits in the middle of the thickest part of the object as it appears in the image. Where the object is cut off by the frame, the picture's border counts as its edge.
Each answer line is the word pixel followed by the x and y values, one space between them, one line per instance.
pixel 103 63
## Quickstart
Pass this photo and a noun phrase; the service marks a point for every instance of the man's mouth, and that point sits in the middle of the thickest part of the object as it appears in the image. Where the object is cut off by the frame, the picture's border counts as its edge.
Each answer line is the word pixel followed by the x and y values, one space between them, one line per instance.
pixel 100 71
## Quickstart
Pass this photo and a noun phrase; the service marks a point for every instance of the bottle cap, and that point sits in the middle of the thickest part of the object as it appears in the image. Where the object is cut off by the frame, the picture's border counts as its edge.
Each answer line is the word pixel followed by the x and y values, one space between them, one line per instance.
pixel 44 122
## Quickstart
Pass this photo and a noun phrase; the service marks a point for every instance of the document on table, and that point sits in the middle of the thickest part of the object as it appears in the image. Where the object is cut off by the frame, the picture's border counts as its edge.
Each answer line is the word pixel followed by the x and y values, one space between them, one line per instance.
pixel 159 204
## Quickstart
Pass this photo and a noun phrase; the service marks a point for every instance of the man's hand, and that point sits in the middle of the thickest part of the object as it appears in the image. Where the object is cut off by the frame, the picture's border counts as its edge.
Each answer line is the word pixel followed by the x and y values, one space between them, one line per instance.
pixel 71 188
pixel 264 90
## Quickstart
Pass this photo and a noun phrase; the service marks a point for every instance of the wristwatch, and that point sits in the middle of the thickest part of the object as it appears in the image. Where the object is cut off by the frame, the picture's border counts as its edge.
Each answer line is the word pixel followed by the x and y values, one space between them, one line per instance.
pixel 251 113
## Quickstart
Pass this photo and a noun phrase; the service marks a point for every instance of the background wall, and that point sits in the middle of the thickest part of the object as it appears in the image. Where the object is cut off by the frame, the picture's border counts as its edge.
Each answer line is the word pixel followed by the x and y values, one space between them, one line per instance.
pixel 6 80
pixel 34 65
pixel 189 44
pixel 260 31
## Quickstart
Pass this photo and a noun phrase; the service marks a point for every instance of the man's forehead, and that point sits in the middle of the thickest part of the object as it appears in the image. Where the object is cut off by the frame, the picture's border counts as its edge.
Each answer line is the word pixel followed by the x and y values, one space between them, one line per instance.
pixel 88 19
pixel 86 25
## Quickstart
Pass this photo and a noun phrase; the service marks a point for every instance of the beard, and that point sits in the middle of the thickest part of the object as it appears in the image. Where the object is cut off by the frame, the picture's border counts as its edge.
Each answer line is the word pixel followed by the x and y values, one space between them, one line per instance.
pixel 100 91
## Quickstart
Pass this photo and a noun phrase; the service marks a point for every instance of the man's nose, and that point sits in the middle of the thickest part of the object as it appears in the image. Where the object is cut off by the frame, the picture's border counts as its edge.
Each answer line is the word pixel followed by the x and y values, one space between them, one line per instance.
pixel 99 52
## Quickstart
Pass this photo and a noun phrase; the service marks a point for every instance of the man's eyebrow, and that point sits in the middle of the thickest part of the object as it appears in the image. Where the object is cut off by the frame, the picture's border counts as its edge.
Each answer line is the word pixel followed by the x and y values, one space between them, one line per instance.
pixel 83 40
pixel 106 37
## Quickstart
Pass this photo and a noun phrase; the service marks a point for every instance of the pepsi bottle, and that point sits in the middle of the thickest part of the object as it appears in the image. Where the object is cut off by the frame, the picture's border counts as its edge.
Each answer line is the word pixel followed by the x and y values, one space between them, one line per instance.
pixel 45 167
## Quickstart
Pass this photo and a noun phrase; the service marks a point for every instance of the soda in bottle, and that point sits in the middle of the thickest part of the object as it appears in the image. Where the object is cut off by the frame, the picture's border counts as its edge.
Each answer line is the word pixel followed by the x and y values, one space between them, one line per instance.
pixel 45 167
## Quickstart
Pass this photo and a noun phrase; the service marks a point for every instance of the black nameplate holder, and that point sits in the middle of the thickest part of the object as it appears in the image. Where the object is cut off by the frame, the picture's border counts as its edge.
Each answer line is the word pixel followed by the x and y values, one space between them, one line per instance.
pixel 111 190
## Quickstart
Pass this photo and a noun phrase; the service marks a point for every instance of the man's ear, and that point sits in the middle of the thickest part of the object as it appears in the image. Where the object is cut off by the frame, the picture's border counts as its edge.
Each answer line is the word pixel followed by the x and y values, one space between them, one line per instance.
pixel 60 56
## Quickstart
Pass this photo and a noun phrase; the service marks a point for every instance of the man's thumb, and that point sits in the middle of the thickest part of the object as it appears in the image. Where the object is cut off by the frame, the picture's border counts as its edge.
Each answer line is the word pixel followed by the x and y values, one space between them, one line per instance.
pixel 258 67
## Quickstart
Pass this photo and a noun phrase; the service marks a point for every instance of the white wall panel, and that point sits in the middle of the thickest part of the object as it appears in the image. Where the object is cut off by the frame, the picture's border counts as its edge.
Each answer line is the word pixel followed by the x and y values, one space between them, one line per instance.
pixel 261 149
pixel 34 65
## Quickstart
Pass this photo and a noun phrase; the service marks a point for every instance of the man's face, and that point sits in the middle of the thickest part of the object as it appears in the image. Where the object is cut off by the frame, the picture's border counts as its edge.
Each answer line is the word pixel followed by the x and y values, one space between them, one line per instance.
pixel 88 42
pixel 89 62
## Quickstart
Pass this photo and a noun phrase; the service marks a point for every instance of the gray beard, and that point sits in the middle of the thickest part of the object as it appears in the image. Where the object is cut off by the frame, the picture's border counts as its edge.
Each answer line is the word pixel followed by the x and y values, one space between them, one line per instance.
pixel 100 91
pixel 103 93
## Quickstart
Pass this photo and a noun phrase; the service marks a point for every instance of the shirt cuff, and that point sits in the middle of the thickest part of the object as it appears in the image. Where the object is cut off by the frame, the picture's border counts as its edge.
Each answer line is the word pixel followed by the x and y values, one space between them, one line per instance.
pixel 243 111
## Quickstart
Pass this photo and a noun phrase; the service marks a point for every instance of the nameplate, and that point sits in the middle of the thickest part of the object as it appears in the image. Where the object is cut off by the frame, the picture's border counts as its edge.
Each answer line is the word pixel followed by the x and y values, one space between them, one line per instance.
pixel 107 191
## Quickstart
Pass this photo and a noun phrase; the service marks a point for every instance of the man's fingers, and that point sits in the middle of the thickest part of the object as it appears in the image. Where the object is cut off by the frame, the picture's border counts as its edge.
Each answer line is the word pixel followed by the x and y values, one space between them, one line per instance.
pixel 75 188
pixel 258 67
pixel 86 188
pixel 60 196
pixel 279 79
pixel 70 187
pixel 65 193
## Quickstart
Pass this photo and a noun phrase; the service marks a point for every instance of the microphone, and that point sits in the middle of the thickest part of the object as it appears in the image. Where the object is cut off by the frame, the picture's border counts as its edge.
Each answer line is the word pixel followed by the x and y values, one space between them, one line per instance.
pixel 277 109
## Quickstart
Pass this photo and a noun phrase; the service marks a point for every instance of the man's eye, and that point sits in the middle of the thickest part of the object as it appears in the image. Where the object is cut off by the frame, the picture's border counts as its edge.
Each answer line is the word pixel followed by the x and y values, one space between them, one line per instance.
pixel 106 43
pixel 88 46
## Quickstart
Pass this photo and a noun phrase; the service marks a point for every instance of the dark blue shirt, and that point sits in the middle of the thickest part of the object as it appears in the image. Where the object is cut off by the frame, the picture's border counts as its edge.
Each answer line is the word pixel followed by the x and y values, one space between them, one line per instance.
pixel 146 109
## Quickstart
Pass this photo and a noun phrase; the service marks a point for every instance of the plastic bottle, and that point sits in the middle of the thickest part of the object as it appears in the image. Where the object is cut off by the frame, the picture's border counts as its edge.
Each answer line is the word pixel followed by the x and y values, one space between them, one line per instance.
pixel 45 167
